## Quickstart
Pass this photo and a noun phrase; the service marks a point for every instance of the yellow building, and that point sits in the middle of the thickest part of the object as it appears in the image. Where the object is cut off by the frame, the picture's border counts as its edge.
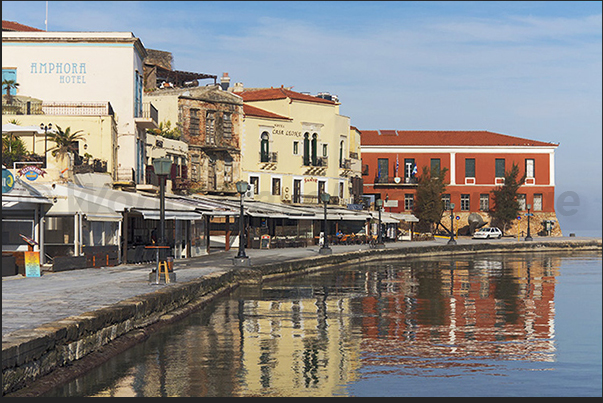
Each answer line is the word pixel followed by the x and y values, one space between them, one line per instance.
pixel 296 146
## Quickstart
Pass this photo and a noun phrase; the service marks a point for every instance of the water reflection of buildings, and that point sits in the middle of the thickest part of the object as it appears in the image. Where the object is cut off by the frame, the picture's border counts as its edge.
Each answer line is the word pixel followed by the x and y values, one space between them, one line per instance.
pixel 460 313
pixel 410 318
pixel 295 347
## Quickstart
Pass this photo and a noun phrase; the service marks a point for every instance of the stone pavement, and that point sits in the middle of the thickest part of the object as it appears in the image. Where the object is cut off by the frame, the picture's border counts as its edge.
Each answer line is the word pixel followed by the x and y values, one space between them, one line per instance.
pixel 28 302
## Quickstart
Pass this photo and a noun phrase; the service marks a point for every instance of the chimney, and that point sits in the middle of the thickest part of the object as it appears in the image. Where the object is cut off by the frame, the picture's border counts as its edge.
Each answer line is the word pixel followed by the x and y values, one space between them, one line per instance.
pixel 225 81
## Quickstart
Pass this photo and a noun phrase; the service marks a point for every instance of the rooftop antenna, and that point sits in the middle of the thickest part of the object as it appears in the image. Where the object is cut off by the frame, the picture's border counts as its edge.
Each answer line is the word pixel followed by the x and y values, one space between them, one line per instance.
pixel 46 20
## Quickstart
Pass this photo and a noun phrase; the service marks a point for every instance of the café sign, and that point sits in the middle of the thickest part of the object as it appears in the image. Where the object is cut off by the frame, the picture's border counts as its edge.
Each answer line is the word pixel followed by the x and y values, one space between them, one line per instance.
pixel 31 172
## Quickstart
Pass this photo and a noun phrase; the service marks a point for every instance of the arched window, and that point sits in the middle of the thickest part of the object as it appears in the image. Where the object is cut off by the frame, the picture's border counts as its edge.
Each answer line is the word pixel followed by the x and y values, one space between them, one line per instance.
pixel 314 149
pixel 306 149
pixel 264 148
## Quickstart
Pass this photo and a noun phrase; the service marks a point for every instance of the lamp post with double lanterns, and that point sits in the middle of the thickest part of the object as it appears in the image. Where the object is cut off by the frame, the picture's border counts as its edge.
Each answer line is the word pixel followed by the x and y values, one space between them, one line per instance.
pixel 380 244
pixel 451 241
pixel 325 250
pixel 45 128
pixel 242 259
pixel 529 236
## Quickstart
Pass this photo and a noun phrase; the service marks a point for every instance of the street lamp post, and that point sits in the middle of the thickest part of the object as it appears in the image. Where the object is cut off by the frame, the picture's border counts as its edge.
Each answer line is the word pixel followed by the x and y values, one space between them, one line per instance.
pixel 241 259
pixel 451 241
pixel 325 250
pixel 162 168
pixel 528 236
pixel 380 244
pixel 45 128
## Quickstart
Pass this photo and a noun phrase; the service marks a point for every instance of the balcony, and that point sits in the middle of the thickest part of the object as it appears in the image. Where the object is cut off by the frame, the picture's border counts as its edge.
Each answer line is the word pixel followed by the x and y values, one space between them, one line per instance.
pixel 147 116
pixel 395 182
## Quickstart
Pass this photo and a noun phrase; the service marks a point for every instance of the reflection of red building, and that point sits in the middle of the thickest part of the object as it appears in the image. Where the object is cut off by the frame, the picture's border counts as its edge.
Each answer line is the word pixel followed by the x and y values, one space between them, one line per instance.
pixel 476 161
pixel 474 314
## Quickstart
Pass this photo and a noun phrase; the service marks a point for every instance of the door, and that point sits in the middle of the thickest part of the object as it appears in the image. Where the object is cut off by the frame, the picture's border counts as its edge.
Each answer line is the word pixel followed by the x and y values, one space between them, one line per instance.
pixel 297 191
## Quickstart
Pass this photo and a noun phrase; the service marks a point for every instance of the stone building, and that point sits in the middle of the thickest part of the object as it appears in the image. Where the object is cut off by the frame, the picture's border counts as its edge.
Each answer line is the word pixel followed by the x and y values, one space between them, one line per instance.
pixel 210 121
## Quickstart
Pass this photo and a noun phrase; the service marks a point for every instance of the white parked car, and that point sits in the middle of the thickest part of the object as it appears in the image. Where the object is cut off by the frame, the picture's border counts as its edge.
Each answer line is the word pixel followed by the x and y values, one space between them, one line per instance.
pixel 488 232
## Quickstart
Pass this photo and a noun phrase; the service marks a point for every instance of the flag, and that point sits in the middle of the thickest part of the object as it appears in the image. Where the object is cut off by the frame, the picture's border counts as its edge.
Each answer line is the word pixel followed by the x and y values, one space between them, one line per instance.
pixel 396 164
pixel 414 170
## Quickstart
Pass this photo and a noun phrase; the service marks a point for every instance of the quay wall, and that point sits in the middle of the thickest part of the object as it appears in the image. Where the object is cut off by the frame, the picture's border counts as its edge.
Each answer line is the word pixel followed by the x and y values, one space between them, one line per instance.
pixel 36 360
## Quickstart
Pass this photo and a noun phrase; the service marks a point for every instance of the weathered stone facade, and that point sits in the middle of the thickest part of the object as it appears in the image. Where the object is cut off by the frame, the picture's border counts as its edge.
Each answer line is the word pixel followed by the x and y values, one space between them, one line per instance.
pixel 210 120
pixel 537 226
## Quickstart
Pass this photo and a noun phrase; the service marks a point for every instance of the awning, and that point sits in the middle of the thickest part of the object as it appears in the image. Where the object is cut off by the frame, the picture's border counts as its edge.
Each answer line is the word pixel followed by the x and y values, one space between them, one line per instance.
pixel 103 217
pixel 170 215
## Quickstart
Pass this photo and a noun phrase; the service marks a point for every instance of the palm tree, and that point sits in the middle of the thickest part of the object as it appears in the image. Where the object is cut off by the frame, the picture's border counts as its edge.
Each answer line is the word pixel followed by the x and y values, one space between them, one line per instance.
pixel 66 142
pixel 9 84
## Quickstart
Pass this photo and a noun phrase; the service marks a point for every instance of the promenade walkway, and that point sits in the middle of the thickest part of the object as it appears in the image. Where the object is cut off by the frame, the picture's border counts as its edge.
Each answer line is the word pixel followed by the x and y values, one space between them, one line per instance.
pixel 28 302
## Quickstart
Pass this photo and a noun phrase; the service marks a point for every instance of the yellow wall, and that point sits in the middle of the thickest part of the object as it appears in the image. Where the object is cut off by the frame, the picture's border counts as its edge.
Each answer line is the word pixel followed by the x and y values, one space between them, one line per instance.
pixel 319 118
pixel 100 134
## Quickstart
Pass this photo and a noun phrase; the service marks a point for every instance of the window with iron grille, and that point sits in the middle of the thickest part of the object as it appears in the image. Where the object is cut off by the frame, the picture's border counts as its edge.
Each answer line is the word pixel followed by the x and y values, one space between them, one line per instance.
pixel 465 203
pixel 446 201
pixel 484 202
pixel 409 201
pixel 538 202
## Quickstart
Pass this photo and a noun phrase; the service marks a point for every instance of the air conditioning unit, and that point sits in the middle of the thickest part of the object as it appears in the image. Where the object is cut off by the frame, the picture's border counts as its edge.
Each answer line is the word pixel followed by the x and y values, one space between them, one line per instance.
pixel 250 192
pixel 286 197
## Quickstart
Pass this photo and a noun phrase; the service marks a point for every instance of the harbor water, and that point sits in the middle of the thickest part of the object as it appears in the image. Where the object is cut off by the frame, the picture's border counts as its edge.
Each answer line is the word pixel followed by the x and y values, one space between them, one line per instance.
pixel 477 325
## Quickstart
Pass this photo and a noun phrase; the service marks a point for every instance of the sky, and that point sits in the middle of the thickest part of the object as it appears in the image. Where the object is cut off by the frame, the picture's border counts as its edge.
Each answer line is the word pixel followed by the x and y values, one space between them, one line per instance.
pixel 526 69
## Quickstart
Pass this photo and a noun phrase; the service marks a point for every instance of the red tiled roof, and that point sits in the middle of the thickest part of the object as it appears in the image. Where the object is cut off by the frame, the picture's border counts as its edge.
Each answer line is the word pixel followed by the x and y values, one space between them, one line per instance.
pixel 15 26
pixel 249 110
pixel 443 138
pixel 267 94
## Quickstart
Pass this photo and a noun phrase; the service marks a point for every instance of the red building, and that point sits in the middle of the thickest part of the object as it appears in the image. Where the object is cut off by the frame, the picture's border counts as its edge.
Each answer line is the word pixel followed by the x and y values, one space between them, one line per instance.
pixel 476 161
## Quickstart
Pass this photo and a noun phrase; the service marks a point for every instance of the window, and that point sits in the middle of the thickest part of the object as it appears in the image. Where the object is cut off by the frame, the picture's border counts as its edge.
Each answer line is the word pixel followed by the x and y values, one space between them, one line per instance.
pixel 341 189
pixel 409 200
pixel 321 189
pixel 538 202
pixel 194 122
pixel 435 167
pixel 465 203
pixel 341 154
pixel 276 186
pixel 410 169
pixel 228 170
pixel 382 170
pixel 296 148
pixel 255 182
pixel 469 167
pixel 446 201
pixel 314 156
pixel 210 128
pixel 306 149
pixel 484 202
pixel 137 95
pixel 499 168
pixel 227 125
pixel 529 168
pixel 325 150
pixel 264 148
pixel 195 167
pixel 521 199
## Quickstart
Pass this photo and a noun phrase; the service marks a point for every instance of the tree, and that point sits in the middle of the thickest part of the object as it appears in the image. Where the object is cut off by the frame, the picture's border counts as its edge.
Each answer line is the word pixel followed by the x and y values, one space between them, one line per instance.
pixel 506 205
pixel 9 85
pixel 13 149
pixel 66 142
pixel 428 206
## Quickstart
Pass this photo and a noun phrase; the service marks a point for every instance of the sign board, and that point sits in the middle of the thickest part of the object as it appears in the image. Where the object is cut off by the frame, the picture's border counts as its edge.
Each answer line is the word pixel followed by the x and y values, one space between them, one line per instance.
pixel 265 242
pixel 32 264
pixel 390 203
pixel 355 207
pixel 8 181
pixel 31 172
